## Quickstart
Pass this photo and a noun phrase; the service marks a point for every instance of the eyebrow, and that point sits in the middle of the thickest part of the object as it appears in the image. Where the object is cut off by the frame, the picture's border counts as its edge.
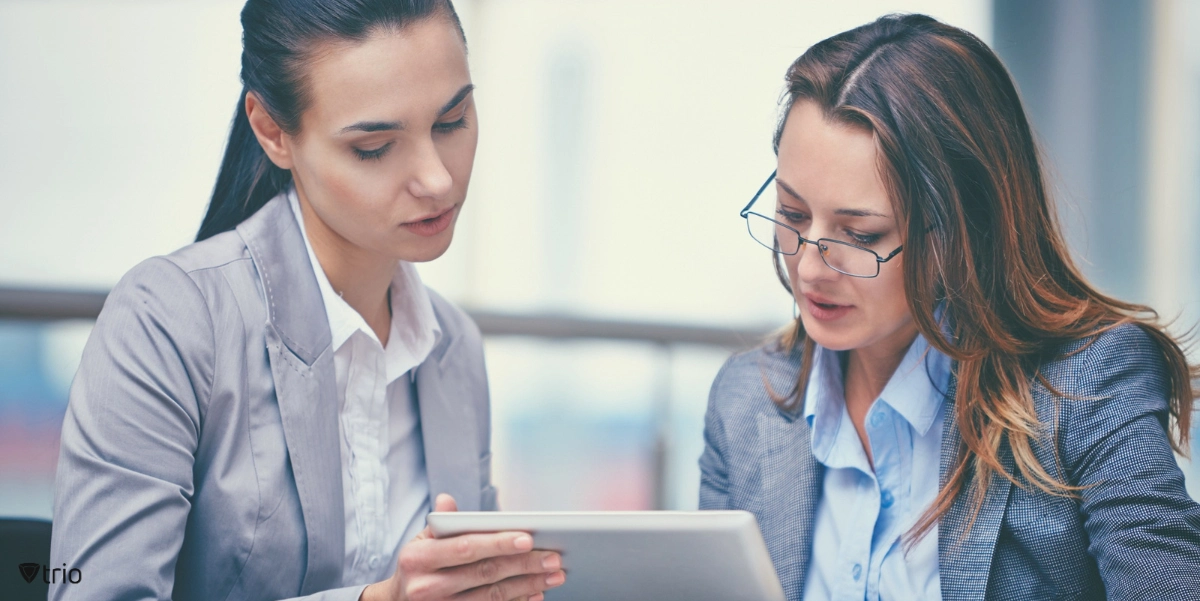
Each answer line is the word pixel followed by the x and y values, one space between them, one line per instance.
pixel 374 126
pixel 846 212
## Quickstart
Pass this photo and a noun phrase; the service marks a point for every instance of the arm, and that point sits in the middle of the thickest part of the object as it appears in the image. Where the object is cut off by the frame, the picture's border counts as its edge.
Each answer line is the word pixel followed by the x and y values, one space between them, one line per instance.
pixel 1144 529
pixel 124 480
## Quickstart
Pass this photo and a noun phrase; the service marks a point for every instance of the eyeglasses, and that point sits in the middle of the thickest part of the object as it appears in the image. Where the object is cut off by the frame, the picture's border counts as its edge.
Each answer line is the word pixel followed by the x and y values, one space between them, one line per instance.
pixel 842 257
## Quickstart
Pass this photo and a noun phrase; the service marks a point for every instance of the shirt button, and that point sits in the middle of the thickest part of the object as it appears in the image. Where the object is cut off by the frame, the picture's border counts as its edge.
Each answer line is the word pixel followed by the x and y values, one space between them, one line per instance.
pixel 373 562
pixel 857 571
pixel 886 499
pixel 878 416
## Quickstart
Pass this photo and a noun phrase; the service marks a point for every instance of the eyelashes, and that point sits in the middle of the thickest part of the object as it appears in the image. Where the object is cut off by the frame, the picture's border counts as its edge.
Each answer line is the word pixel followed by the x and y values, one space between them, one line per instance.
pixel 376 154
pixel 372 155
pixel 452 126
pixel 795 219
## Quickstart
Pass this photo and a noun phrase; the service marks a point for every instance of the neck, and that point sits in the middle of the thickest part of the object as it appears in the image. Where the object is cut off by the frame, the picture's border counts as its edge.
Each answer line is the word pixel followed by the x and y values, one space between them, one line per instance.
pixel 869 369
pixel 359 276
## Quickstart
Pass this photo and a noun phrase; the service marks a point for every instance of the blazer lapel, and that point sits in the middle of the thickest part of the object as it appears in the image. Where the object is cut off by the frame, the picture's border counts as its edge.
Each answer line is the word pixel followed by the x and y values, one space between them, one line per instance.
pixel 298 341
pixel 448 426
pixel 791 486
pixel 965 556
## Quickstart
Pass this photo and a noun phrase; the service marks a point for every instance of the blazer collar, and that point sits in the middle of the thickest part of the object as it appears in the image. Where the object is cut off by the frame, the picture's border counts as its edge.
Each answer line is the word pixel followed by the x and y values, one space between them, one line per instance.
pixel 290 289
pixel 965 555
pixel 448 421
pixel 791 486
pixel 791 477
pixel 298 348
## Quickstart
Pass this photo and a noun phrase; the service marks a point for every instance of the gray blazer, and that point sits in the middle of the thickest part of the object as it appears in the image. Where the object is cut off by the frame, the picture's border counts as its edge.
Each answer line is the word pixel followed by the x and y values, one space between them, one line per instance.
pixel 200 454
pixel 1132 534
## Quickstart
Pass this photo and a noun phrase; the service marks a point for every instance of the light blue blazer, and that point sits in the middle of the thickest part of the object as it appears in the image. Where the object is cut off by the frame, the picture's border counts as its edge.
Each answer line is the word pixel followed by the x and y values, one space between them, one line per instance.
pixel 200 453
pixel 1133 532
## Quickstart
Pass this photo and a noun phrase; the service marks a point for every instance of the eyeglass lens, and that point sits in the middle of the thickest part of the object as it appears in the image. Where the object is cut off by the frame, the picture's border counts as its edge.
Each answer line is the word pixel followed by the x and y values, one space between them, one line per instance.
pixel 847 259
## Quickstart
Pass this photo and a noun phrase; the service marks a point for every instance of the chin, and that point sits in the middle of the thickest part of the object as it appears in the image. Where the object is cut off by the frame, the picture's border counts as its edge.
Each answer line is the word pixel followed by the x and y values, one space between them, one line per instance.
pixel 424 250
pixel 834 339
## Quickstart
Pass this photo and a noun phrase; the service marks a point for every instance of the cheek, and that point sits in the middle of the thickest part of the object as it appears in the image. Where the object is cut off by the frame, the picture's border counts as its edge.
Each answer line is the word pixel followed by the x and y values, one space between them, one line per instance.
pixel 343 190
pixel 458 154
pixel 888 296
pixel 791 263
pixel 361 186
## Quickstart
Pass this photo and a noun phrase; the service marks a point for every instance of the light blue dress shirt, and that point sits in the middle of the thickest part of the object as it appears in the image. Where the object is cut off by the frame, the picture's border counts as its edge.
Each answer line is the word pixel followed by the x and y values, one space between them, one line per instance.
pixel 858 545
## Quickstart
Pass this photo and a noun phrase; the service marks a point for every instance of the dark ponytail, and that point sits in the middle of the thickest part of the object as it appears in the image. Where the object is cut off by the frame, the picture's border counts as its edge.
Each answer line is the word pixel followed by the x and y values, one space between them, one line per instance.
pixel 278 36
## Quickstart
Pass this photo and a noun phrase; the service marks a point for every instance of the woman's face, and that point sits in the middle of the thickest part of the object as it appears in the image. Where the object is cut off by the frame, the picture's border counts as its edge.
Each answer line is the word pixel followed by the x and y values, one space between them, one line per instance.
pixel 386 146
pixel 829 186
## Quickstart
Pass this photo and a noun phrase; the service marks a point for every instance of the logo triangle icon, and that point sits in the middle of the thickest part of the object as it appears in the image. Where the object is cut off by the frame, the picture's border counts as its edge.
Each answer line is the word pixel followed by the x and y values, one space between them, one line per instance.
pixel 29 571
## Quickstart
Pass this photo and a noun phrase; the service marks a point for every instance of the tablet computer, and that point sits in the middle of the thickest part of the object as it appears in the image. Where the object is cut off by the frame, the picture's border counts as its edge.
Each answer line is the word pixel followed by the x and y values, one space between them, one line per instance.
pixel 634 555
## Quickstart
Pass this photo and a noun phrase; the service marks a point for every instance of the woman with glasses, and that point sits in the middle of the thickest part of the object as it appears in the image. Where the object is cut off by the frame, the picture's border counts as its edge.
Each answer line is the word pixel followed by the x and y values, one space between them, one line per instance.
pixel 955 413
pixel 272 411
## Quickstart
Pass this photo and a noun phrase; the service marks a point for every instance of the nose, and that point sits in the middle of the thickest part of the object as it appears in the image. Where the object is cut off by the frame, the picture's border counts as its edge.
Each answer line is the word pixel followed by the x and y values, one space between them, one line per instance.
pixel 430 177
pixel 810 266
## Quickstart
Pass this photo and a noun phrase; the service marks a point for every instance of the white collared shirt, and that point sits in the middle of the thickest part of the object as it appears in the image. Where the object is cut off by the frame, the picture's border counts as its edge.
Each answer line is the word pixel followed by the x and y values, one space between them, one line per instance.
pixel 384 484
pixel 858 551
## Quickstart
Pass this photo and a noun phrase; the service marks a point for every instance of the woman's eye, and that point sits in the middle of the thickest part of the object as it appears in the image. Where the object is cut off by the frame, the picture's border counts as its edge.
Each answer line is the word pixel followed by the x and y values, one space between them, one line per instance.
pixel 791 217
pixel 451 126
pixel 864 239
pixel 373 154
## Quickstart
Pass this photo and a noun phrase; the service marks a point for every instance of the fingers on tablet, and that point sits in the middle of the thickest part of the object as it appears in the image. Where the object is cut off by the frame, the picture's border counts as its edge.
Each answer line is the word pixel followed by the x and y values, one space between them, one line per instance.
pixel 445 502
pixel 474 547
pixel 518 587
pixel 543 564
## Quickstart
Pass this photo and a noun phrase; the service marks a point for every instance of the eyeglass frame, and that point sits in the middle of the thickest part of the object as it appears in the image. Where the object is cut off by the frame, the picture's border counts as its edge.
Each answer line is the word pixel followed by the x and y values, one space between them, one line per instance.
pixel 746 212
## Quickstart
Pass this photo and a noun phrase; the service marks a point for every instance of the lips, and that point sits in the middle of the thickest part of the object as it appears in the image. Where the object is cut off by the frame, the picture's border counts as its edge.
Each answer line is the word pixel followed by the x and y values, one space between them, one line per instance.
pixel 433 224
pixel 431 216
pixel 824 309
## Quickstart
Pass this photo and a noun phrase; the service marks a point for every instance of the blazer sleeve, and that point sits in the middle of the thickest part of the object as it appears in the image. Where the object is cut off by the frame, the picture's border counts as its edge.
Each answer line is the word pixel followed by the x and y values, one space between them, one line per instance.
pixel 714 479
pixel 1143 528
pixel 124 480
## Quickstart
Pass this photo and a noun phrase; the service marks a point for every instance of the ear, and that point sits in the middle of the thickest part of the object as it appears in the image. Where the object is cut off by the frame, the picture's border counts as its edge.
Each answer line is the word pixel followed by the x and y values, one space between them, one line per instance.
pixel 271 137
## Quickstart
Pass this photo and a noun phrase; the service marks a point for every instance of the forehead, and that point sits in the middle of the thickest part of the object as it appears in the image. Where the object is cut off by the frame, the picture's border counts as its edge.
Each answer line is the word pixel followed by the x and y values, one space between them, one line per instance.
pixel 392 75
pixel 830 163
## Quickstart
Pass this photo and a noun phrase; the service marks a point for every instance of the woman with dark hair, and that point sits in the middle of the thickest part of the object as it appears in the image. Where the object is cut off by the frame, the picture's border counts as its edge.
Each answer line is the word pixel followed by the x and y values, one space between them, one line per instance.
pixel 272 411
pixel 955 413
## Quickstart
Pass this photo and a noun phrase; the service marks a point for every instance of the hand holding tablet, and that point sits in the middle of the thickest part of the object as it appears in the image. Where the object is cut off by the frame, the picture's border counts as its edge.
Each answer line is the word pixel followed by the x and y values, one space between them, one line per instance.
pixel 470 567
pixel 634 555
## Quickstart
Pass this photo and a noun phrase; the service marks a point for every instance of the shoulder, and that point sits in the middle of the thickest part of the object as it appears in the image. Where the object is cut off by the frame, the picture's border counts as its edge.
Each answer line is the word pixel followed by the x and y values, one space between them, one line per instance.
pixel 187 297
pixel 1105 383
pixel 1121 360
pixel 191 274
pixel 750 381
pixel 182 272
pixel 214 252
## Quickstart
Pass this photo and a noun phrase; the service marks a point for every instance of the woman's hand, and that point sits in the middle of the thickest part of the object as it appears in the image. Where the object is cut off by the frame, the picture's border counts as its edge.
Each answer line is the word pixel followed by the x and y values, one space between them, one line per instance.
pixel 472 567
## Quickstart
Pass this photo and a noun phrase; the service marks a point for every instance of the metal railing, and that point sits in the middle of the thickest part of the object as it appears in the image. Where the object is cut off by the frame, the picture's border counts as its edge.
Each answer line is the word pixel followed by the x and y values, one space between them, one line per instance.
pixel 41 304
pixel 48 304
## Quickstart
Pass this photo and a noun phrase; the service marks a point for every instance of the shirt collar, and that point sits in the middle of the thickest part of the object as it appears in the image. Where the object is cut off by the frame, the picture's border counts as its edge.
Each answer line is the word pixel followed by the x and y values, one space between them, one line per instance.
pixel 414 328
pixel 916 391
pixel 918 387
pixel 824 401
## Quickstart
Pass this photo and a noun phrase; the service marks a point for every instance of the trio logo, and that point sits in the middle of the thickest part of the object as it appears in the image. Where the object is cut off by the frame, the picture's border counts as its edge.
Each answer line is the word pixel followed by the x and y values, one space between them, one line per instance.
pixel 29 571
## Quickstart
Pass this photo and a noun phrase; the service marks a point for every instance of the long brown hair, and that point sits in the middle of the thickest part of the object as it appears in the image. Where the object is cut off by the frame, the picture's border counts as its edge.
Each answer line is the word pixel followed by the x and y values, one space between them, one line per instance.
pixel 961 166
